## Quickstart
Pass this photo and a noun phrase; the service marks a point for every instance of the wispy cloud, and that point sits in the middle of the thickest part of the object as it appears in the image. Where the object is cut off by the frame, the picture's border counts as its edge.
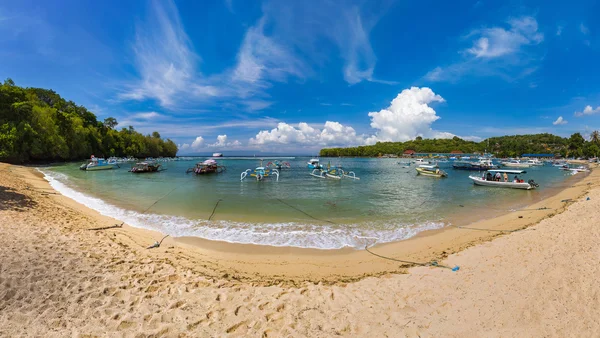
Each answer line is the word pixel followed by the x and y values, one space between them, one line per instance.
pixel 495 51
pixel 559 30
pixel 164 57
pixel 279 47
pixel 584 29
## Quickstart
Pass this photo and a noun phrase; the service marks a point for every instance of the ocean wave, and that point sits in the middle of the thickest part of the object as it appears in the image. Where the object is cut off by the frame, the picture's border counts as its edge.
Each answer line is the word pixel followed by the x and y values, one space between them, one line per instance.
pixel 292 234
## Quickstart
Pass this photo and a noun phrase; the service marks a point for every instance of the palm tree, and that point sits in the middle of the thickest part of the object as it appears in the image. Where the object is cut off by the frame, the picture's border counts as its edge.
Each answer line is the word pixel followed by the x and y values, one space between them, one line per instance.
pixel 595 137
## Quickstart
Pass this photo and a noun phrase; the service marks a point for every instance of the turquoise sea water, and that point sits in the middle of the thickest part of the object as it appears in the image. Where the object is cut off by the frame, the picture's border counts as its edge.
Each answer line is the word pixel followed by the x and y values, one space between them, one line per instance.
pixel 388 203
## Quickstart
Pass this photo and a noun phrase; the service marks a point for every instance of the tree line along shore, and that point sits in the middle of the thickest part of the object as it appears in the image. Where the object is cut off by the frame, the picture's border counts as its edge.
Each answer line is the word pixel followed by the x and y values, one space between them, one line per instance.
pixel 504 146
pixel 38 125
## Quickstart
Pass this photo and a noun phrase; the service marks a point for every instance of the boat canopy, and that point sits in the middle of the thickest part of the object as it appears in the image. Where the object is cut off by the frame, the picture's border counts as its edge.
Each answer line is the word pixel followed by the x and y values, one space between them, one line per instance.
pixel 508 171
pixel 209 162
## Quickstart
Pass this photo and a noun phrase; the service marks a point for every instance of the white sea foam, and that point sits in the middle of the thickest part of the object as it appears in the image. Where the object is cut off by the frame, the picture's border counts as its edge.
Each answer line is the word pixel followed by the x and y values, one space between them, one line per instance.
pixel 274 234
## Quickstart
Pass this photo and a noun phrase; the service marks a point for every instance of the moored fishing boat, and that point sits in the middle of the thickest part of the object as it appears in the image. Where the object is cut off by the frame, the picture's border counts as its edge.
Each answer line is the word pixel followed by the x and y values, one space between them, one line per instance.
pixel 260 173
pixel 495 178
pixel 515 164
pixel 483 164
pixel 279 165
pixel 430 170
pixel 333 172
pixel 145 167
pixel 207 167
pixel 535 162
pixel 99 164
pixel 314 164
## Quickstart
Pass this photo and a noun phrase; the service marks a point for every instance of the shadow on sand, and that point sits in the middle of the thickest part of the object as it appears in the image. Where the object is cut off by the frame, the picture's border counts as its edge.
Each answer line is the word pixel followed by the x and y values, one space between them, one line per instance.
pixel 12 200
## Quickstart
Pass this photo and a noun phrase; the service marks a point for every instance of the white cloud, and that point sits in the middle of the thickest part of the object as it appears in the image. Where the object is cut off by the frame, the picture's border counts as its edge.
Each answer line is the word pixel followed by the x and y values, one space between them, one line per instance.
pixel 199 144
pixel 496 51
pixel 559 30
pixel 147 115
pixel 195 146
pixel 408 116
pixel 588 110
pixel 560 121
pixel 331 134
pixel 222 142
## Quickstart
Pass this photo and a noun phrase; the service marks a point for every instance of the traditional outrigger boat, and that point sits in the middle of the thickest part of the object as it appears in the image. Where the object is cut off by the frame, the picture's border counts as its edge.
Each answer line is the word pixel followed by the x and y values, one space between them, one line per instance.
pixel 336 173
pixel 145 167
pixel 489 179
pixel 260 173
pixel 279 165
pixel 430 170
pixel 99 164
pixel 207 167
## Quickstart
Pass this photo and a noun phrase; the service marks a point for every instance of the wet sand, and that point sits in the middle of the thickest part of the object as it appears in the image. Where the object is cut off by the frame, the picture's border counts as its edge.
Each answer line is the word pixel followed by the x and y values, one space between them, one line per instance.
pixel 58 278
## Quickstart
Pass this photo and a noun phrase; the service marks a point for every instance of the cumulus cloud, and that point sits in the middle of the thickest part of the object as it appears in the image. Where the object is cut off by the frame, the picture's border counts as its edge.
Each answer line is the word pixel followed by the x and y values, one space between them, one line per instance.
pixel 559 121
pixel 588 110
pixel 195 146
pixel 200 144
pixel 408 116
pixel 331 134
pixel 222 142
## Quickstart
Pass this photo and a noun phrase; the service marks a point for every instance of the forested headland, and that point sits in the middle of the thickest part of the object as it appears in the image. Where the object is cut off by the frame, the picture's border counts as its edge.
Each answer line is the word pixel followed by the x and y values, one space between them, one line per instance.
pixel 39 125
pixel 504 146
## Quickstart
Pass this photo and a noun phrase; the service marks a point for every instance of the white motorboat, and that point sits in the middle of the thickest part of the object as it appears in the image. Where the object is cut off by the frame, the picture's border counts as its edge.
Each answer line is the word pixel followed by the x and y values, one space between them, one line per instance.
pixel 516 164
pixel 99 164
pixel 535 162
pixel 489 179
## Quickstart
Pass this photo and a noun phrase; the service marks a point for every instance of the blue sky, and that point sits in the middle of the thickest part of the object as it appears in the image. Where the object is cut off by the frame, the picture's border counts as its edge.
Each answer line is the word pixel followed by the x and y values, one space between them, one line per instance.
pixel 296 76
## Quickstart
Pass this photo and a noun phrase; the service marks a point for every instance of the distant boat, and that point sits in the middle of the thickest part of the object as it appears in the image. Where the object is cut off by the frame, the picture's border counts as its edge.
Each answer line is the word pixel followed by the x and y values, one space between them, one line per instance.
pixel 217 155
pixel 516 164
pixel 99 164
pixel 145 167
pixel 334 172
pixel 535 162
pixel 484 164
pixel 206 167
pixel 488 180
pixel 314 164
pixel 429 170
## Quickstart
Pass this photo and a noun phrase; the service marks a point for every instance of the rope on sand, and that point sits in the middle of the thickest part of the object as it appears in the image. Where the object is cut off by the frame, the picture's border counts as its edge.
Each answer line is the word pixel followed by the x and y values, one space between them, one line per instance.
pixel 157 244
pixel 110 227
pixel 304 212
pixel 432 263
pixel 214 209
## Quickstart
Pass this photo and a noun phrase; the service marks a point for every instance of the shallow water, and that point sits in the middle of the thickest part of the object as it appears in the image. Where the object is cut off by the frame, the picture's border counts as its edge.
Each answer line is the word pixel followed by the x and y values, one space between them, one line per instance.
pixel 388 203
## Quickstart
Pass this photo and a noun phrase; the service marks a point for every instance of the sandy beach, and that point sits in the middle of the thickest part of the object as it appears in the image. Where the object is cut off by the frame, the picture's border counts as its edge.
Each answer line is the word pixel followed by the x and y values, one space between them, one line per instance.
pixel 59 278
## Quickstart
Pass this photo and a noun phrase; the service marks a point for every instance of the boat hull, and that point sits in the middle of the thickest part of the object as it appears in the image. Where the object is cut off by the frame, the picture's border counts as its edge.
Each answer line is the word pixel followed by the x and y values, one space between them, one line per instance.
pixel 501 184
pixel 101 167
pixel 425 172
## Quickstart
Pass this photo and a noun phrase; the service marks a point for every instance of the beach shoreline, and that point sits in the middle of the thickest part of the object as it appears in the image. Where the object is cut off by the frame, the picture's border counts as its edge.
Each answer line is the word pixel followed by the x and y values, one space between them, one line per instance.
pixel 60 277
pixel 265 264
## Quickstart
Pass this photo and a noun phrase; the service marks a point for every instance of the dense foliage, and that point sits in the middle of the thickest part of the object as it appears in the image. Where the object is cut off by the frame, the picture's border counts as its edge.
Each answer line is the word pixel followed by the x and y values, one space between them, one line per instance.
pixel 38 125
pixel 503 146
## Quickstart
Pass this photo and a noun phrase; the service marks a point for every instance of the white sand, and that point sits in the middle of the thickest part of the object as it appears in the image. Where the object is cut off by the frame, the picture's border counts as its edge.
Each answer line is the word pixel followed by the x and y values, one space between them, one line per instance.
pixel 57 279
